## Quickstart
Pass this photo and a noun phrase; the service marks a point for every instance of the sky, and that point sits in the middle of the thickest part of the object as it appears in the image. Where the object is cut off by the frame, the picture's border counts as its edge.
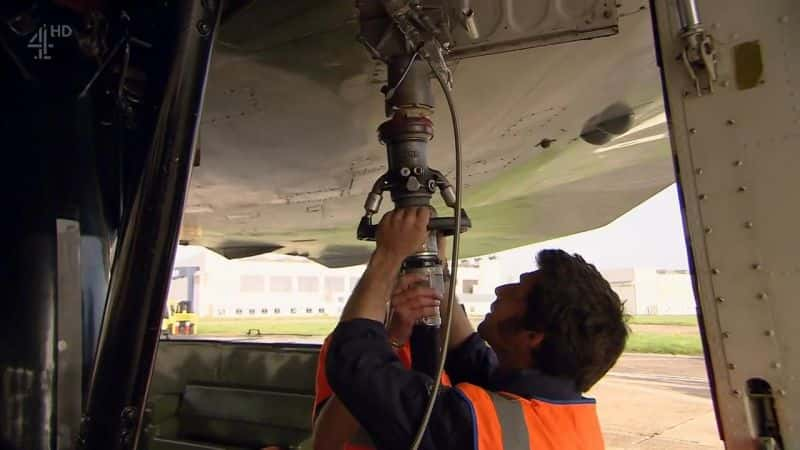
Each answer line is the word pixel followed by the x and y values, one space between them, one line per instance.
pixel 650 235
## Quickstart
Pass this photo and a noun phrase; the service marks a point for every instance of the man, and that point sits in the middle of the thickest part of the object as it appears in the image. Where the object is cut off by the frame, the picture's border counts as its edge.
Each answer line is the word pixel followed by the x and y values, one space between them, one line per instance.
pixel 553 335
pixel 334 427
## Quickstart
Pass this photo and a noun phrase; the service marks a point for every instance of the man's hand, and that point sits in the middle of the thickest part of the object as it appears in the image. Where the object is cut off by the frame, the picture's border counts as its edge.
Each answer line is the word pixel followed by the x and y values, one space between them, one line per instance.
pixel 410 302
pixel 462 327
pixel 402 231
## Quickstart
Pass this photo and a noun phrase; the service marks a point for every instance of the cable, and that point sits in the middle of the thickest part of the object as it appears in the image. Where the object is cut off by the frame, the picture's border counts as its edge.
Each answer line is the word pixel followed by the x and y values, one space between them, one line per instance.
pixel 390 93
pixel 453 262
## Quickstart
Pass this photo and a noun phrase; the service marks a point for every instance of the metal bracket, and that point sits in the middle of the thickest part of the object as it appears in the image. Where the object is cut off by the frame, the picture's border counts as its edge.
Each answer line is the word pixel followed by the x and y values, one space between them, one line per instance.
pixel 417 31
pixel 129 420
pixel 699 57
pixel 68 331
pixel 434 54
pixel 421 34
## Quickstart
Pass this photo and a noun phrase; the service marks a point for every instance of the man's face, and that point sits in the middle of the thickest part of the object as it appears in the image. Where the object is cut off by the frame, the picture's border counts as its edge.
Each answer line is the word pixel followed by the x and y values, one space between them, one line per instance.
pixel 499 328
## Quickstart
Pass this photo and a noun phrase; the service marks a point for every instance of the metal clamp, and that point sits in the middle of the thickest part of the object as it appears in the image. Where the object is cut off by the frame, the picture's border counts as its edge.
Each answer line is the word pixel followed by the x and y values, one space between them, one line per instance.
pixel 699 54
pixel 700 57
pixel 367 231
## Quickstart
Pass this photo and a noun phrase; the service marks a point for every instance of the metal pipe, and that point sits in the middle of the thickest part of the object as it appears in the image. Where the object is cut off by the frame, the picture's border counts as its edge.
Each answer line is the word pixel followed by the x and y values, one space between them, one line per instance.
pixel 471 24
pixel 689 16
pixel 141 273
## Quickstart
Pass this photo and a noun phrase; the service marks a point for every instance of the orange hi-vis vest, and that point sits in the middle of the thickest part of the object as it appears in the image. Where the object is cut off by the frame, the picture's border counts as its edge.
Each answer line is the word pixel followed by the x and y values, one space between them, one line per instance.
pixel 504 421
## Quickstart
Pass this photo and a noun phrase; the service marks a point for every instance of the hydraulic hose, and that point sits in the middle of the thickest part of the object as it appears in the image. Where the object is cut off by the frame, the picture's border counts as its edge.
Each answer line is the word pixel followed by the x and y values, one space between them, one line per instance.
pixel 453 262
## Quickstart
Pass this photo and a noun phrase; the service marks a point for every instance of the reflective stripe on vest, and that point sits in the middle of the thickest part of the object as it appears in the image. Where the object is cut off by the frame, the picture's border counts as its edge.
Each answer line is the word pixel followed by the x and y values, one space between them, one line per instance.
pixel 513 428
pixel 504 421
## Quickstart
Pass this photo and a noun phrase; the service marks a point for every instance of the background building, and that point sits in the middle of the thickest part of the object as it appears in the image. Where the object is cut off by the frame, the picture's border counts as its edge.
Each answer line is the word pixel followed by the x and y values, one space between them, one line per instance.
pixel 653 291
pixel 286 286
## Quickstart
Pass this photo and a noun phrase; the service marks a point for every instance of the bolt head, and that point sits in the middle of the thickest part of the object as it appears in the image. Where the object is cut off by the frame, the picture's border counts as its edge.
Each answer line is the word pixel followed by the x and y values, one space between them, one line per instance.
pixel 730 122
pixel 736 393
pixel 708 230
pixel 699 171
pixel 720 299
pixel 769 333
pixel 738 163
pixel 762 296
pixel 715 271
pixel 742 188
pixel 782 392
pixel 748 224
pixel 726 334
pixel 784 19
pixel 731 366
pixel 702 196
pixel 693 130
pixel 776 365
pixel 757 267
pixel 405 171
pixel 203 28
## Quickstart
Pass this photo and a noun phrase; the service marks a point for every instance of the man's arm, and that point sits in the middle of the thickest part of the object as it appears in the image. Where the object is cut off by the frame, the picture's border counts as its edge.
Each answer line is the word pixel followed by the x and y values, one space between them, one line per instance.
pixel 334 426
pixel 461 328
pixel 469 359
pixel 386 398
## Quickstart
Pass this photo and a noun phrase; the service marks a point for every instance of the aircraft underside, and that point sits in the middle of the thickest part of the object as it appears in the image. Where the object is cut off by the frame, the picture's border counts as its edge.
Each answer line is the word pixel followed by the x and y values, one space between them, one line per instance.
pixel 289 149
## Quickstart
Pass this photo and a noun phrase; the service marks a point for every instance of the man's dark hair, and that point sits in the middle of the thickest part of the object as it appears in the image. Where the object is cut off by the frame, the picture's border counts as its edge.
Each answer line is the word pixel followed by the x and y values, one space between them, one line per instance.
pixel 581 317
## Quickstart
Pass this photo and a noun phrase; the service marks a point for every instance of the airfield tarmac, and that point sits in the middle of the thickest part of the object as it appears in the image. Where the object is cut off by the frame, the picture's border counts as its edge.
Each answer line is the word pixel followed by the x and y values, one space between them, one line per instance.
pixel 657 402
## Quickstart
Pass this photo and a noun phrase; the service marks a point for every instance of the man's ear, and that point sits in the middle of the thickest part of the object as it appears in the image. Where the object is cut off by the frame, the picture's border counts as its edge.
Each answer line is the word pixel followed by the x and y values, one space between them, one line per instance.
pixel 535 338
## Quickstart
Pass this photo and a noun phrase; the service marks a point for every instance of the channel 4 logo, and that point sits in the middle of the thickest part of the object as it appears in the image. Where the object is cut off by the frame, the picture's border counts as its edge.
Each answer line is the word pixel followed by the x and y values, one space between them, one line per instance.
pixel 42 40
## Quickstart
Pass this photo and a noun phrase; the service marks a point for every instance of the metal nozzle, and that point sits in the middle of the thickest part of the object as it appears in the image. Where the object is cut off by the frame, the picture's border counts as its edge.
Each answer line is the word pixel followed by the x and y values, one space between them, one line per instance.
pixel 470 24
pixel 449 196
pixel 373 203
